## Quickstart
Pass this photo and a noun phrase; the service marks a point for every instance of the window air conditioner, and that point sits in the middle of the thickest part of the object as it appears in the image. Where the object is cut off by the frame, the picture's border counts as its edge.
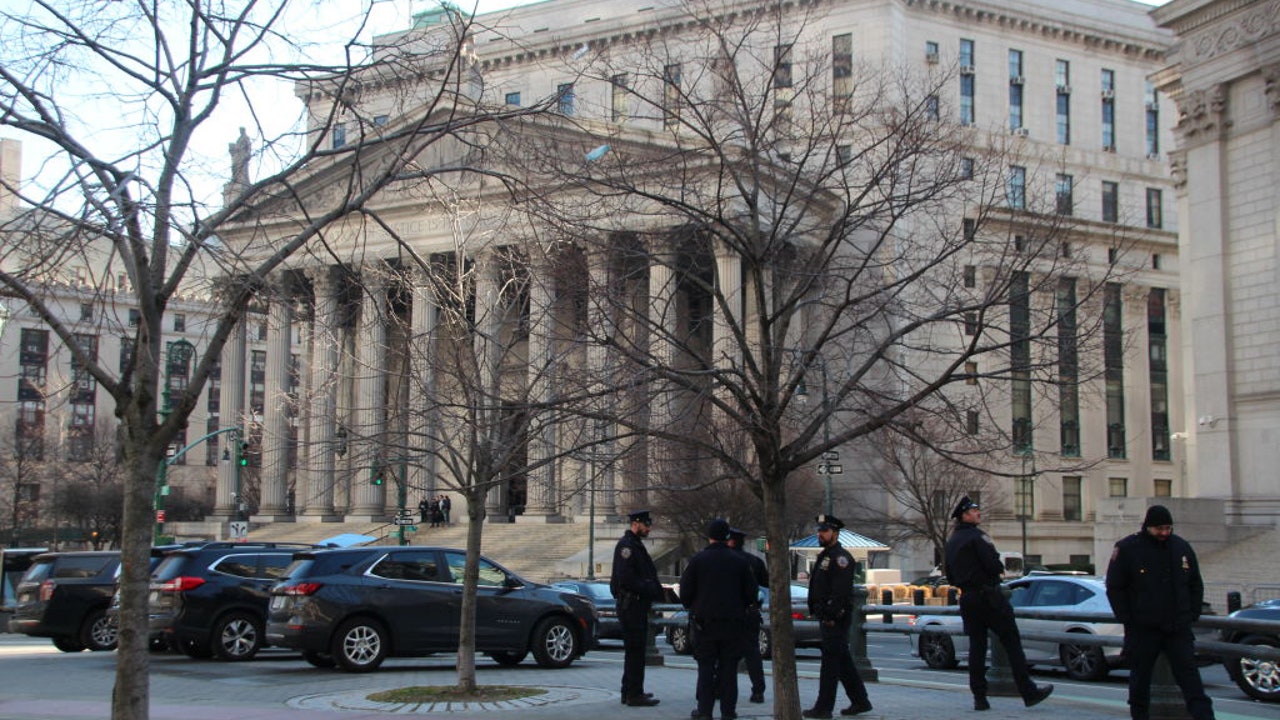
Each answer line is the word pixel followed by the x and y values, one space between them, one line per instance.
pixel 1016 80
pixel 966 69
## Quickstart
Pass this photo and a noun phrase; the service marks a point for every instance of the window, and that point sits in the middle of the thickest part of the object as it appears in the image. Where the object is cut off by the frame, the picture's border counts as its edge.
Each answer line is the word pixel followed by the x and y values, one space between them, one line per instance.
pixel 1163 488
pixel 618 97
pixel 966 54
pixel 339 135
pixel 971 422
pixel 1155 208
pixel 1064 203
pixel 1118 487
pixel 179 323
pixel 931 109
pixel 1065 249
pixel 1020 360
pixel 1016 191
pixel 967 112
pixel 1071 499
pixel 513 99
pixel 671 95
pixel 1062 122
pixel 970 229
pixel 971 276
pixel 842 66
pixel 85 386
pixel 86 312
pixel 1062 76
pixel 844 153
pixel 380 120
pixel 1068 369
pixel 966 168
pixel 1024 496
pixel 126 353
pixel 564 98
pixel 1110 201
pixel 930 52
pixel 1158 359
pixel 1113 255
pixel 1019 243
pixel 971 324
pixel 1113 372
pixel 1109 110
pixel 971 373
pixel 1155 261
pixel 1015 89
pixel 1153 121
pixel 135 317
pixel 415 565
pixel 782 66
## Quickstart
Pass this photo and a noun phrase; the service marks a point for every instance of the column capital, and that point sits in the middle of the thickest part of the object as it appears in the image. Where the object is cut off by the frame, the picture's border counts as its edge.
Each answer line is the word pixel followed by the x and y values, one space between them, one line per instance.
pixel 1202 115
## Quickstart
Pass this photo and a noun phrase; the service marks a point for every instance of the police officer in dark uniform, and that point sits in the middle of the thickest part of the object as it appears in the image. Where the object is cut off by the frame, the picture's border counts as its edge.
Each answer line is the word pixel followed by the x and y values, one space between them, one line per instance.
pixel 635 586
pixel 831 603
pixel 973 565
pixel 1155 589
pixel 718 587
pixel 751 654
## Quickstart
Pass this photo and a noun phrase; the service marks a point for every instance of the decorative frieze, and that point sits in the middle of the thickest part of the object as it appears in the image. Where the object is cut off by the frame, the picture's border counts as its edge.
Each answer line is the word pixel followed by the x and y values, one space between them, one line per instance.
pixel 1250 27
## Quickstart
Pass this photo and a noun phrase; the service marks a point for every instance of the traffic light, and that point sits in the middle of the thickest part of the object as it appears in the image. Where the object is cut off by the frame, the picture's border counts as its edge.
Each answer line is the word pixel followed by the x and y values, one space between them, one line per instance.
pixel 376 477
pixel 244 454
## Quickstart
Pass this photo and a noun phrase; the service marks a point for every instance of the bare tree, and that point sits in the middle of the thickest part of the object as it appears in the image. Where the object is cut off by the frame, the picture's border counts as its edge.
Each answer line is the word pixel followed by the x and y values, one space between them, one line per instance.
pixel 23 471
pixel 89 495
pixel 789 217
pixel 132 202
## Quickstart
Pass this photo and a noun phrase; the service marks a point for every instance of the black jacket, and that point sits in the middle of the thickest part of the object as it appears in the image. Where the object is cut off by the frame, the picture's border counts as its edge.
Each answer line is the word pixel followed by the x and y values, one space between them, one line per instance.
pixel 831 584
pixel 634 574
pixel 971 558
pixel 1154 584
pixel 718 584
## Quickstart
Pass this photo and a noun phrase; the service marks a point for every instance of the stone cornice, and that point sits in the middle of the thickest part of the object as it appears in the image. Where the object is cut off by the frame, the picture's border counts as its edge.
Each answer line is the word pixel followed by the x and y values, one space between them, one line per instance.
pixel 1185 16
pixel 1245 28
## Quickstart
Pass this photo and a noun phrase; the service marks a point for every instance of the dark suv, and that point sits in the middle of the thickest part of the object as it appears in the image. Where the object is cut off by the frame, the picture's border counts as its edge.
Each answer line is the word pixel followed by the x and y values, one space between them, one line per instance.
pixel 64 596
pixel 354 607
pixel 210 600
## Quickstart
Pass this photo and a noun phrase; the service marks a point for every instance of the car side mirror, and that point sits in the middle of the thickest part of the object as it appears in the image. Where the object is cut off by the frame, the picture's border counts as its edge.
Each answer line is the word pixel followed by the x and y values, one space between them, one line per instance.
pixel 511 582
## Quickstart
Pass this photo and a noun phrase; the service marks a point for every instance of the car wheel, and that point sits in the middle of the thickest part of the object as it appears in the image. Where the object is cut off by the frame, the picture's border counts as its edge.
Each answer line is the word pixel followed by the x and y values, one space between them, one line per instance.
pixel 67 645
pixel 1259 679
pixel 678 637
pixel 236 637
pixel 555 645
pixel 195 649
pixel 360 645
pixel 99 633
pixel 937 651
pixel 318 659
pixel 508 658
pixel 765 643
pixel 1083 662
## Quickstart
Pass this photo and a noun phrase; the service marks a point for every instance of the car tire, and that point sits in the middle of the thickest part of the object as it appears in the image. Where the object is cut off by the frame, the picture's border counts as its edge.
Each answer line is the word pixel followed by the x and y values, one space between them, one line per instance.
pixel 508 659
pixel 318 659
pixel 1259 679
pixel 360 645
pixel 1083 662
pixel 68 645
pixel 937 651
pixel 555 644
pixel 99 633
pixel 195 649
pixel 678 637
pixel 236 636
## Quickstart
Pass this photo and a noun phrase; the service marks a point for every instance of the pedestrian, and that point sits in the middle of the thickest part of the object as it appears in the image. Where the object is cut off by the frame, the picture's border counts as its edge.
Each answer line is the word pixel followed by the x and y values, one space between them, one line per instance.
pixel 433 511
pixel 973 565
pixel 831 603
pixel 1156 592
pixel 718 588
pixel 751 653
pixel 423 508
pixel 445 506
pixel 634 584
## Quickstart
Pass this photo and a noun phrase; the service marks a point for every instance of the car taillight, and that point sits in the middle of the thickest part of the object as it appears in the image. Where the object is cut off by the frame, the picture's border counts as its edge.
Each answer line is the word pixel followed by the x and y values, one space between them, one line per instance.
pixel 179 584
pixel 298 590
pixel 46 590
pixel 797 615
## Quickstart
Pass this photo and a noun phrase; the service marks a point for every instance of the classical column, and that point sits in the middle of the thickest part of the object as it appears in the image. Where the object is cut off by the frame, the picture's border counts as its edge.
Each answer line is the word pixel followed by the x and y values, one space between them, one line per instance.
pixel 424 318
pixel 275 417
pixel 231 414
pixel 541 501
pixel 368 500
pixel 725 352
pixel 663 330
pixel 600 363
pixel 488 350
pixel 315 497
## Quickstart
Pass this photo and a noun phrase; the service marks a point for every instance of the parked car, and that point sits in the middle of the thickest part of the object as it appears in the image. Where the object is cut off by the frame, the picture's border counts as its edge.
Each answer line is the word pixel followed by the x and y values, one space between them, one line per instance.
pixel 607 625
pixel 210 600
pixel 64 596
pixel 1259 679
pixel 13 565
pixel 1063 593
pixel 805 631
pixel 355 607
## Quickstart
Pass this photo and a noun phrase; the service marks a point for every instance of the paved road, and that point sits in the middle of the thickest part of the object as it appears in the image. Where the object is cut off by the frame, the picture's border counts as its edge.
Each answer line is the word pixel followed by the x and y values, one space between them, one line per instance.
pixel 39 683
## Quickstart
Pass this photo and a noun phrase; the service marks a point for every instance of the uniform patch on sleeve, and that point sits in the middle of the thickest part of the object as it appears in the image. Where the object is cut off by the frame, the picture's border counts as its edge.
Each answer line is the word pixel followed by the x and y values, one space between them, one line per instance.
pixel 625 553
pixel 843 562
pixel 1186 564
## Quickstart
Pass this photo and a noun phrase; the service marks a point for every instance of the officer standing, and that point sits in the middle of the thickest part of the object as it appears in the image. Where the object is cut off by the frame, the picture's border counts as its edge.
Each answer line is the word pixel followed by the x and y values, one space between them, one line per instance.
pixel 751 654
pixel 831 603
pixel 634 584
pixel 973 565
pixel 718 588
pixel 1155 589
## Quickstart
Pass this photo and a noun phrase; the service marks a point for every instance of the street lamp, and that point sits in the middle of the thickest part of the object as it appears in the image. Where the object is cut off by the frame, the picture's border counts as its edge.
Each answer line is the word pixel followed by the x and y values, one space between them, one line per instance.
pixel 178 358
pixel 1026 497
pixel 827 467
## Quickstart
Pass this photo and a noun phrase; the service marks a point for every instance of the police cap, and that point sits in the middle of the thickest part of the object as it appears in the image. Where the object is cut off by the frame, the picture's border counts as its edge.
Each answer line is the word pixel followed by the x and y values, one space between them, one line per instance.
pixel 641 516
pixel 829 522
pixel 965 505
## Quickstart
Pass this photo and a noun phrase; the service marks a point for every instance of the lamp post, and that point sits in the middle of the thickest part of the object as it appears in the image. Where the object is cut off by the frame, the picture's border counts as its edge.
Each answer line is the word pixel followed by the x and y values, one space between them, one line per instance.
pixel 1026 498
pixel 178 356
pixel 827 467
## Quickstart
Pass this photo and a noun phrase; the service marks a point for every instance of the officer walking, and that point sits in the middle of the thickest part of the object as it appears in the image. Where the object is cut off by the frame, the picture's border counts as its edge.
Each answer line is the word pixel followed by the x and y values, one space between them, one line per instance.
pixel 751 654
pixel 718 588
pixel 973 565
pixel 831 603
pixel 1155 589
pixel 634 584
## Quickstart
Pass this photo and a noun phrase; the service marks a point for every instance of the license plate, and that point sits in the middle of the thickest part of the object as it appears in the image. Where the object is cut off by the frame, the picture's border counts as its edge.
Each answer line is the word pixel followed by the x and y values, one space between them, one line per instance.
pixel 277 602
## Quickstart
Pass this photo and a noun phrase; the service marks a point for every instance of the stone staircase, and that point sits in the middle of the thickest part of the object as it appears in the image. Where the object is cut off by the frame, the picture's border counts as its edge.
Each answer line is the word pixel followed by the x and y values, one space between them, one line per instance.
pixel 1250 566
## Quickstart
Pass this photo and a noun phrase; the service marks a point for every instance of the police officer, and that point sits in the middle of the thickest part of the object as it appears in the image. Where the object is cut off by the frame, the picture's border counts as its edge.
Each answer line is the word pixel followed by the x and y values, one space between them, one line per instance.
pixel 831 603
pixel 635 586
pixel 718 588
pixel 751 655
pixel 1155 589
pixel 973 565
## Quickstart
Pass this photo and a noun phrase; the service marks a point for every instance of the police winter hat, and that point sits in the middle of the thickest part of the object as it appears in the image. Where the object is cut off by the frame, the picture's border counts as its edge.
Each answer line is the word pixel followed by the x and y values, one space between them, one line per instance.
pixel 964 506
pixel 829 522
pixel 641 516
pixel 1157 515
pixel 737 534
pixel 718 529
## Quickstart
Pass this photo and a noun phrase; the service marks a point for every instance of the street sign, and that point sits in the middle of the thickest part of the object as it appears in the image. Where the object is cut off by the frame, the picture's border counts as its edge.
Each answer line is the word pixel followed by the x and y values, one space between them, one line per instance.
pixel 405 520
pixel 159 516
pixel 831 455
pixel 835 470
pixel 237 529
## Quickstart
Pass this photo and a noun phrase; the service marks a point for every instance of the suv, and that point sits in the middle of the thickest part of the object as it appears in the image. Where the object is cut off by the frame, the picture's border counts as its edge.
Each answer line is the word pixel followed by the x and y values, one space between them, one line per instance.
pixel 64 596
pixel 210 600
pixel 354 607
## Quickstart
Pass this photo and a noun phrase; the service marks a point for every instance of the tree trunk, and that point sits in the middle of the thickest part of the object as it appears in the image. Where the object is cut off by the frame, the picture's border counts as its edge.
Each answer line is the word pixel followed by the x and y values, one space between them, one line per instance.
pixel 786 690
pixel 467 628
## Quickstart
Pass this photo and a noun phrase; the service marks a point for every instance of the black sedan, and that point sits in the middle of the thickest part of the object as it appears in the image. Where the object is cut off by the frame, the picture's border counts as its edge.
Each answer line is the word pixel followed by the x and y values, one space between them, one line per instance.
pixel 608 627
pixel 1258 678
pixel 354 607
